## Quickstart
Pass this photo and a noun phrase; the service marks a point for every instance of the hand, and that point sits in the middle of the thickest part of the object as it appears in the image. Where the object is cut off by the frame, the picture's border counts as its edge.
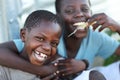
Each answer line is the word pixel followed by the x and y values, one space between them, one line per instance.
pixel 70 66
pixel 50 77
pixel 105 22
pixel 47 70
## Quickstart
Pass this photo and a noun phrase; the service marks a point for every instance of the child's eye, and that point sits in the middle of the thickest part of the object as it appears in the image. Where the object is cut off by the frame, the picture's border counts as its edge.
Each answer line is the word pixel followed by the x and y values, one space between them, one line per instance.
pixel 69 11
pixel 40 39
pixel 85 9
pixel 54 44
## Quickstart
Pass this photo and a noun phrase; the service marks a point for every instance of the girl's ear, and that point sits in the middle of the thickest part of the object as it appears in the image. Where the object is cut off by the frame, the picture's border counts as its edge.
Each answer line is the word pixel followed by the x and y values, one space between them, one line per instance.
pixel 22 34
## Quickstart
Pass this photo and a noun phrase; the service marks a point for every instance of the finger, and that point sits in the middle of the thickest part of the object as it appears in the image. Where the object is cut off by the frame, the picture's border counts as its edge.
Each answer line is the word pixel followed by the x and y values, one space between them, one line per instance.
pixel 60 65
pixel 99 18
pixel 95 26
pixel 63 62
pixel 59 72
pixel 97 23
pixel 101 21
pixel 101 28
pixel 56 64
pixel 112 28
pixel 65 72
pixel 94 18
pixel 103 25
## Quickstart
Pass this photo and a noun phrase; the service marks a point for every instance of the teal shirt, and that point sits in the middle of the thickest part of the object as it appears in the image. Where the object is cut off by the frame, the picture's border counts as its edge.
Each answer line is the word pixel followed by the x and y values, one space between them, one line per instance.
pixel 94 44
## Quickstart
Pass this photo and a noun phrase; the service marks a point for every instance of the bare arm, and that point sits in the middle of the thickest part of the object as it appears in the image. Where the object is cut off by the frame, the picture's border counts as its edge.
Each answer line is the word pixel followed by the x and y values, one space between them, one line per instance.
pixel 105 21
pixel 117 52
pixel 9 57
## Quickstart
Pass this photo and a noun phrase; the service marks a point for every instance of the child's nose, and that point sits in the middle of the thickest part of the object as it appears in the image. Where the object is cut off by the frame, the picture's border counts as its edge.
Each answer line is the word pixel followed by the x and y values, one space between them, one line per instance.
pixel 79 14
pixel 46 47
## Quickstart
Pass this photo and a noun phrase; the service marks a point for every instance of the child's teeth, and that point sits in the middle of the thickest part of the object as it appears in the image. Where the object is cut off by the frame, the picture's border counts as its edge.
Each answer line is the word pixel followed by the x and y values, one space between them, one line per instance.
pixel 40 56
pixel 81 25
pixel 43 55
pixel 37 53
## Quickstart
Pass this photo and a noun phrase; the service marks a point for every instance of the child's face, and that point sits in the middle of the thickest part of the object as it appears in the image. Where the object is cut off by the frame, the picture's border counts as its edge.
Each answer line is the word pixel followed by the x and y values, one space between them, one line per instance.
pixel 73 11
pixel 41 42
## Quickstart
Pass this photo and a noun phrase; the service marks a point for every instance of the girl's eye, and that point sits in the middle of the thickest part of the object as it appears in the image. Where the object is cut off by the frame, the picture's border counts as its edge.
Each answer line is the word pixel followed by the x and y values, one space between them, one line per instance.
pixel 54 44
pixel 85 10
pixel 69 11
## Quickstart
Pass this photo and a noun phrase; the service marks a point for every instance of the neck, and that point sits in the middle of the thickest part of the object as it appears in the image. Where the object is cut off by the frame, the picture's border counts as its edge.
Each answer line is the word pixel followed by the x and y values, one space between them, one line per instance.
pixel 24 55
pixel 72 42
pixel 72 45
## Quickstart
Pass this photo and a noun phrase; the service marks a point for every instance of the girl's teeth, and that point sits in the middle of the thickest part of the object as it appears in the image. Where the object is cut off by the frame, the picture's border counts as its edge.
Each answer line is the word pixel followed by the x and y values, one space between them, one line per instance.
pixel 81 25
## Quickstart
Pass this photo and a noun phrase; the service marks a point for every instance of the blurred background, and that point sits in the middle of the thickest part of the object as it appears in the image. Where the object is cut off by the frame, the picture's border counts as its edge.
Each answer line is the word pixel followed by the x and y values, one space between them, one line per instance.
pixel 14 12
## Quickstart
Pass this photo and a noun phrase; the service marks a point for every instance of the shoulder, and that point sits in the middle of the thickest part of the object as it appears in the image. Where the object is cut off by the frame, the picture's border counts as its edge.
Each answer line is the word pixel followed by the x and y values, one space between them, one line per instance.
pixel 19 44
pixel 97 34
pixel 8 46
pixel 100 37
pixel 94 37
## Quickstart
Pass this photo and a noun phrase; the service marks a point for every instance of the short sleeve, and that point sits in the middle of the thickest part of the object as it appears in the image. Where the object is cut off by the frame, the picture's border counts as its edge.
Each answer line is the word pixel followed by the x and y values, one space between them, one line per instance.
pixel 19 44
pixel 108 46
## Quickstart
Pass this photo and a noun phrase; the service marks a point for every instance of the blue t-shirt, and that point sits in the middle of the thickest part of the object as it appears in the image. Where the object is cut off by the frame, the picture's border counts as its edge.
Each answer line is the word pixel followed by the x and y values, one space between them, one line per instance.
pixel 94 44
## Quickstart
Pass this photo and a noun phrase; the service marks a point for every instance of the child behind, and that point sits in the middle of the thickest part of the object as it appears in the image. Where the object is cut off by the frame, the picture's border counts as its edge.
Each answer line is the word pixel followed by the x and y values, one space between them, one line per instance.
pixel 40 34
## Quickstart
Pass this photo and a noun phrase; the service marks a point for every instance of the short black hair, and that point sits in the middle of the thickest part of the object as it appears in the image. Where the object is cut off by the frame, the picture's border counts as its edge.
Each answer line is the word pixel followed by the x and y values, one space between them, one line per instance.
pixel 37 16
pixel 58 5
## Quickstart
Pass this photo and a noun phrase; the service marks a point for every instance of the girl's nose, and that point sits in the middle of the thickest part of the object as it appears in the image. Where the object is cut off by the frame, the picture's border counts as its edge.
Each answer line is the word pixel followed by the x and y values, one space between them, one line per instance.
pixel 79 14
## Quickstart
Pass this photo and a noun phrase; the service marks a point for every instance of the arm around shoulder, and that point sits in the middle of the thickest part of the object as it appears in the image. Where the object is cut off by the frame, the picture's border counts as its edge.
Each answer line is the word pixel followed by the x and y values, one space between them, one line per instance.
pixel 9 57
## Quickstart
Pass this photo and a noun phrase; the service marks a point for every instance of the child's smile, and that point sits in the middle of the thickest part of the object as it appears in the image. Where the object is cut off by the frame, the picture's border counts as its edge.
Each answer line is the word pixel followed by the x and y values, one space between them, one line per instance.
pixel 40 56
pixel 41 42
pixel 73 12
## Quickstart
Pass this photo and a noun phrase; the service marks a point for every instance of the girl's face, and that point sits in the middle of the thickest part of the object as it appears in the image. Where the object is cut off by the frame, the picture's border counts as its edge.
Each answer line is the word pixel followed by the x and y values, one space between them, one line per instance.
pixel 73 11
pixel 41 41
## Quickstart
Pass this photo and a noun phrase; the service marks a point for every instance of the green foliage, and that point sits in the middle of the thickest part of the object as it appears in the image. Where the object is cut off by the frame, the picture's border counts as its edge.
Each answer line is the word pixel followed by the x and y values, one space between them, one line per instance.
pixel 111 59
pixel 114 57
